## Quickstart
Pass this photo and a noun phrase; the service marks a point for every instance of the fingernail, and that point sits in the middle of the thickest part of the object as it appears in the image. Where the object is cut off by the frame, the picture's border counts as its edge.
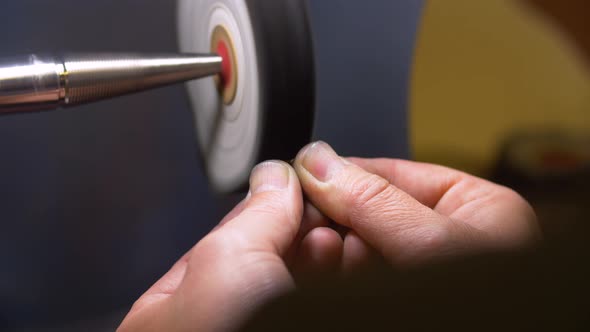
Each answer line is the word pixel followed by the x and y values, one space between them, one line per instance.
pixel 269 176
pixel 321 161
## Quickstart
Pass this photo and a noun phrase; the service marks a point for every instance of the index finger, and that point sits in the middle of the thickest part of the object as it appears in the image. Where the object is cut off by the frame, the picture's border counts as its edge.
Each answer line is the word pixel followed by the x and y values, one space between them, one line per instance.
pixel 427 183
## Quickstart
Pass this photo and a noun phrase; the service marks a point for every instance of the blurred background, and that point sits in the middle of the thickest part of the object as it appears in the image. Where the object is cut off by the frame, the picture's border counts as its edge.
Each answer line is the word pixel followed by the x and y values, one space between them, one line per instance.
pixel 97 202
pixel 501 89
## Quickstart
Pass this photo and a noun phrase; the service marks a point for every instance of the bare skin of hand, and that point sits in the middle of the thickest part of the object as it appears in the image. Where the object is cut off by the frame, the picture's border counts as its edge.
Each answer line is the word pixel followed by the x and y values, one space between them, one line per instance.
pixel 234 269
pixel 245 261
pixel 409 213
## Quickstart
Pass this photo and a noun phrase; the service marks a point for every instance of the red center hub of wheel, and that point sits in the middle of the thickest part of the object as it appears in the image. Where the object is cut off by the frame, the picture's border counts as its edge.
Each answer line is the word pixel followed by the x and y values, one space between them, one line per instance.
pixel 226 68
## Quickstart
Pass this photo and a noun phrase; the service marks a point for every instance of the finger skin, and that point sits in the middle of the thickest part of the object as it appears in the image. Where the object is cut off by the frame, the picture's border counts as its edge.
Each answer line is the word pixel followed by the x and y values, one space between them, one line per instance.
pixel 424 182
pixel 233 270
pixel 312 219
pixel 502 213
pixel 402 228
pixel 391 221
pixel 357 255
pixel 320 254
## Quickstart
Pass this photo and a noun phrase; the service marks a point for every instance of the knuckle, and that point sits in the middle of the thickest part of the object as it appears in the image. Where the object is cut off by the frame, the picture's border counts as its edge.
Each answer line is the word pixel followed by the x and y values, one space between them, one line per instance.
pixel 526 229
pixel 368 192
pixel 369 198
pixel 522 204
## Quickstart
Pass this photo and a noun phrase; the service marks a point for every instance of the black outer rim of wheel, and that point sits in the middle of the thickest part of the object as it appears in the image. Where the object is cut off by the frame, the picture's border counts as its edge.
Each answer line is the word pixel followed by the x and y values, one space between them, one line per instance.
pixel 286 68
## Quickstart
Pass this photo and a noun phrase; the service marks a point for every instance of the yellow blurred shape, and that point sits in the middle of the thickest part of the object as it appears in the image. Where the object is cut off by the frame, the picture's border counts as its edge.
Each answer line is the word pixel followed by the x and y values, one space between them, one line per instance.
pixel 484 70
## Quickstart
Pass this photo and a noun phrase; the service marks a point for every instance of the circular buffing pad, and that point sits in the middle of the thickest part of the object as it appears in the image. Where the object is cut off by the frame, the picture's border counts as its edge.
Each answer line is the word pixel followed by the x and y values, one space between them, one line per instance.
pixel 261 105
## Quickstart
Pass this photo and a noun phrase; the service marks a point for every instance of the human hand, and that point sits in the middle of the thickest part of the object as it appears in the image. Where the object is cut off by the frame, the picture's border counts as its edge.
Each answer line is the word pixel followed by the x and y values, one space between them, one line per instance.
pixel 411 212
pixel 233 270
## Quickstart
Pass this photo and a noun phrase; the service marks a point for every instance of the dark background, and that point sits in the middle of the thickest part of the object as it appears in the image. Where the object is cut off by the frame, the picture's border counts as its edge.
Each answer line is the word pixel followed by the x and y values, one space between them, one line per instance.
pixel 98 201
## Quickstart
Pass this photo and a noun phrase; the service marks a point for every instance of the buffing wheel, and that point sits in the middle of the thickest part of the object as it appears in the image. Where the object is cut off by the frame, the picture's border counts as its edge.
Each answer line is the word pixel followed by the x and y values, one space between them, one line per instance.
pixel 262 105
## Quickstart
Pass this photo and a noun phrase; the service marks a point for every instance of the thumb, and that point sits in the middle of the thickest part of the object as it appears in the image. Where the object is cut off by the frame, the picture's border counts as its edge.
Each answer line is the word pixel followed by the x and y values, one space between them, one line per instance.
pixel 235 268
pixel 271 215
pixel 402 229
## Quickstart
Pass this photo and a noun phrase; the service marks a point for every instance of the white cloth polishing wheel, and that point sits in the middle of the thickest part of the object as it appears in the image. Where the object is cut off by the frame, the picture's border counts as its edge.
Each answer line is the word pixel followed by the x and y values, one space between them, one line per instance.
pixel 262 105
